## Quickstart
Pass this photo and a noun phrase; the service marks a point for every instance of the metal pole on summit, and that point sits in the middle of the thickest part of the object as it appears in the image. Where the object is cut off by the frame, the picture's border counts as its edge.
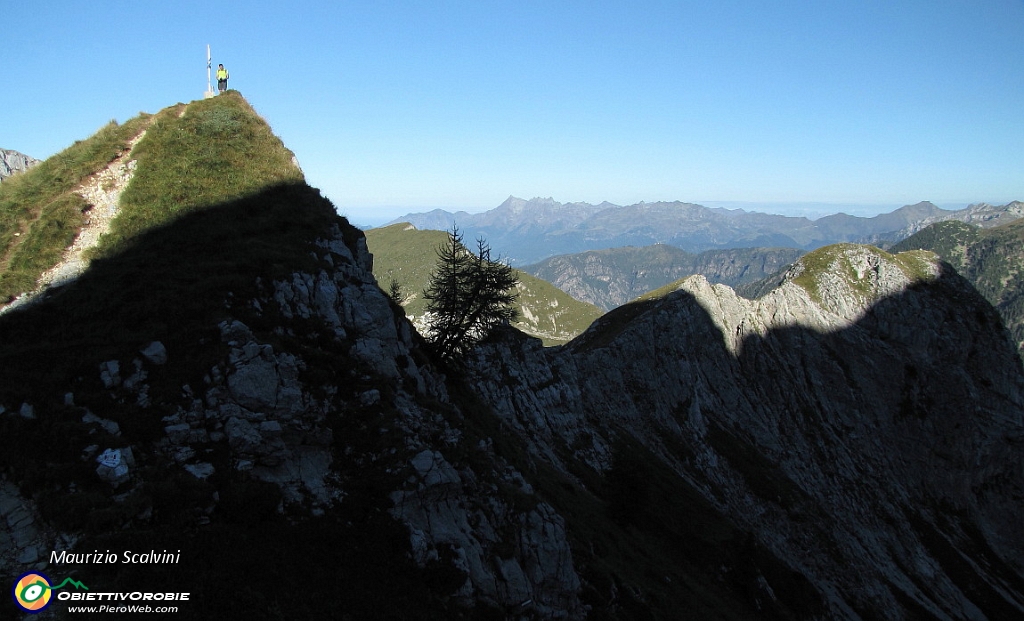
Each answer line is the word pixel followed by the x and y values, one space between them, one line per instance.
pixel 209 64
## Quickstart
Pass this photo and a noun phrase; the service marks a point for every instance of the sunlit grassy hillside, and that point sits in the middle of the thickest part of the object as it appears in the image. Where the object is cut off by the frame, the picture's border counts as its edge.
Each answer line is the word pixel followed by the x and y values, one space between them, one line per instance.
pixel 405 255
pixel 192 156
pixel 40 213
pixel 196 155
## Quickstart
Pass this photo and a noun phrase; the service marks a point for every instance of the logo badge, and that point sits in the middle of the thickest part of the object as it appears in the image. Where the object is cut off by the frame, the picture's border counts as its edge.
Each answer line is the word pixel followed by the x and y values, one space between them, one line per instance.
pixel 32 592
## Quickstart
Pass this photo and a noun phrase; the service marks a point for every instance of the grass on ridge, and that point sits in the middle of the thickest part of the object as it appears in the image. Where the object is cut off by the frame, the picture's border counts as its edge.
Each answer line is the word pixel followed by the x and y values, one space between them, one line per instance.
pixel 216 202
pixel 39 212
pixel 170 286
pixel 834 259
pixel 206 153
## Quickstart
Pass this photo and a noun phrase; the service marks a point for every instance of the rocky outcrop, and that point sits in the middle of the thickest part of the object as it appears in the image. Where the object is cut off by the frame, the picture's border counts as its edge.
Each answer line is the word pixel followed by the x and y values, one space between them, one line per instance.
pixel 476 518
pixel 22 540
pixel 12 162
pixel 613 277
pixel 862 422
pixel 511 557
pixel 983 215
pixel 514 558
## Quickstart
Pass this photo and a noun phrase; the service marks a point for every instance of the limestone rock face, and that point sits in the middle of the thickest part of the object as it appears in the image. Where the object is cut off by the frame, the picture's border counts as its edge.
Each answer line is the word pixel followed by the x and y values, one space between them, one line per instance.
pixel 526 560
pixel 863 422
pixel 613 277
pixel 511 557
pixel 12 162
pixel 478 518
pixel 23 540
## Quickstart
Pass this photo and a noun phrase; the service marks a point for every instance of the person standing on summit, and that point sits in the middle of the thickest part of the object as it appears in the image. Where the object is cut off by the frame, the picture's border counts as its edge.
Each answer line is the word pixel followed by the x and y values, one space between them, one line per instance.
pixel 222 78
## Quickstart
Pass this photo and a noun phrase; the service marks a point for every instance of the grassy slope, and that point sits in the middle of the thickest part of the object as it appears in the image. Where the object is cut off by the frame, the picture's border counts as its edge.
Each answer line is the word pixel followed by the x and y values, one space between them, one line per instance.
pixel 40 213
pixel 164 269
pixel 193 156
pixel 408 256
pixel 208 152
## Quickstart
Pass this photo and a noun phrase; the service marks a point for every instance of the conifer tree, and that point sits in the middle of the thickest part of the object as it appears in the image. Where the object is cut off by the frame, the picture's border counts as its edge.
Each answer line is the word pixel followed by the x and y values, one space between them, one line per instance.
pixel 395 292
pixel 468 295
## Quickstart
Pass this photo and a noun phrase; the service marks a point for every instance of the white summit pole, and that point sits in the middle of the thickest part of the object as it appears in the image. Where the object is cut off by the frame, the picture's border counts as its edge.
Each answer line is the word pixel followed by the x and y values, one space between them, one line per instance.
pixel 209 63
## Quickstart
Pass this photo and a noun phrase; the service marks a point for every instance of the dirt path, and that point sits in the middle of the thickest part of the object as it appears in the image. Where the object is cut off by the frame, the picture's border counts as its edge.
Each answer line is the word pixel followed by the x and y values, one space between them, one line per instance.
pixel 103 191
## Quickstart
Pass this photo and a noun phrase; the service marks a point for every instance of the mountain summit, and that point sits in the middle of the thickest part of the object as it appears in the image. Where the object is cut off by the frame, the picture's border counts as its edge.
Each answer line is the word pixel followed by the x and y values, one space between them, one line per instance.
pixel 226 380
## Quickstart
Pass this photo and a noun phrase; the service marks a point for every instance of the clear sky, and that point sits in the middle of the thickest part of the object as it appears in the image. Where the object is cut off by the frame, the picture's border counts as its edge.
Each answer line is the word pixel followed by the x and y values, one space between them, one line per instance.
pixel 403 106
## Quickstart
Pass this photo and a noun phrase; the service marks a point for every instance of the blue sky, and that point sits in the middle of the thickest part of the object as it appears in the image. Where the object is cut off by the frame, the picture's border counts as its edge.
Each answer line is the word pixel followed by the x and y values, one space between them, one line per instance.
pixel 394 107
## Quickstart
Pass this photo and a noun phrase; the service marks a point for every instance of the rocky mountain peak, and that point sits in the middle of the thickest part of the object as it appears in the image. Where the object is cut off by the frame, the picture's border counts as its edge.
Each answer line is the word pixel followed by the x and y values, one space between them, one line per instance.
pixel 847 279
pixel 513 204
pixel 825 290
pixel 12 162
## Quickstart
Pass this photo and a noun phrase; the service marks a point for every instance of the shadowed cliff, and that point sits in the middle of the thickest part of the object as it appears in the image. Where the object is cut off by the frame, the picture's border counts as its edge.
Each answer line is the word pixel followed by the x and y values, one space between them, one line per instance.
pixel 278 421
pixel 838 465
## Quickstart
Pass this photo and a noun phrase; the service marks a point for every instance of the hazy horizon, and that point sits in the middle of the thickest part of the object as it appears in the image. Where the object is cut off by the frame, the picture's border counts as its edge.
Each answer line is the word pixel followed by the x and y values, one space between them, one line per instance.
pixel 809 209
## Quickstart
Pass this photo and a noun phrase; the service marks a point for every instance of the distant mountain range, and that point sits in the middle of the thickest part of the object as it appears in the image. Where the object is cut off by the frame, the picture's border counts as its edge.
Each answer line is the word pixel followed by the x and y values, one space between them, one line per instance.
pixel 528 231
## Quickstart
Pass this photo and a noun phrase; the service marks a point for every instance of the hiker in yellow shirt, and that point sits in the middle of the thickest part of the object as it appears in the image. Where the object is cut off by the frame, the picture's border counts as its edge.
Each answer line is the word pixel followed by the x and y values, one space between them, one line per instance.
pixel 222 78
